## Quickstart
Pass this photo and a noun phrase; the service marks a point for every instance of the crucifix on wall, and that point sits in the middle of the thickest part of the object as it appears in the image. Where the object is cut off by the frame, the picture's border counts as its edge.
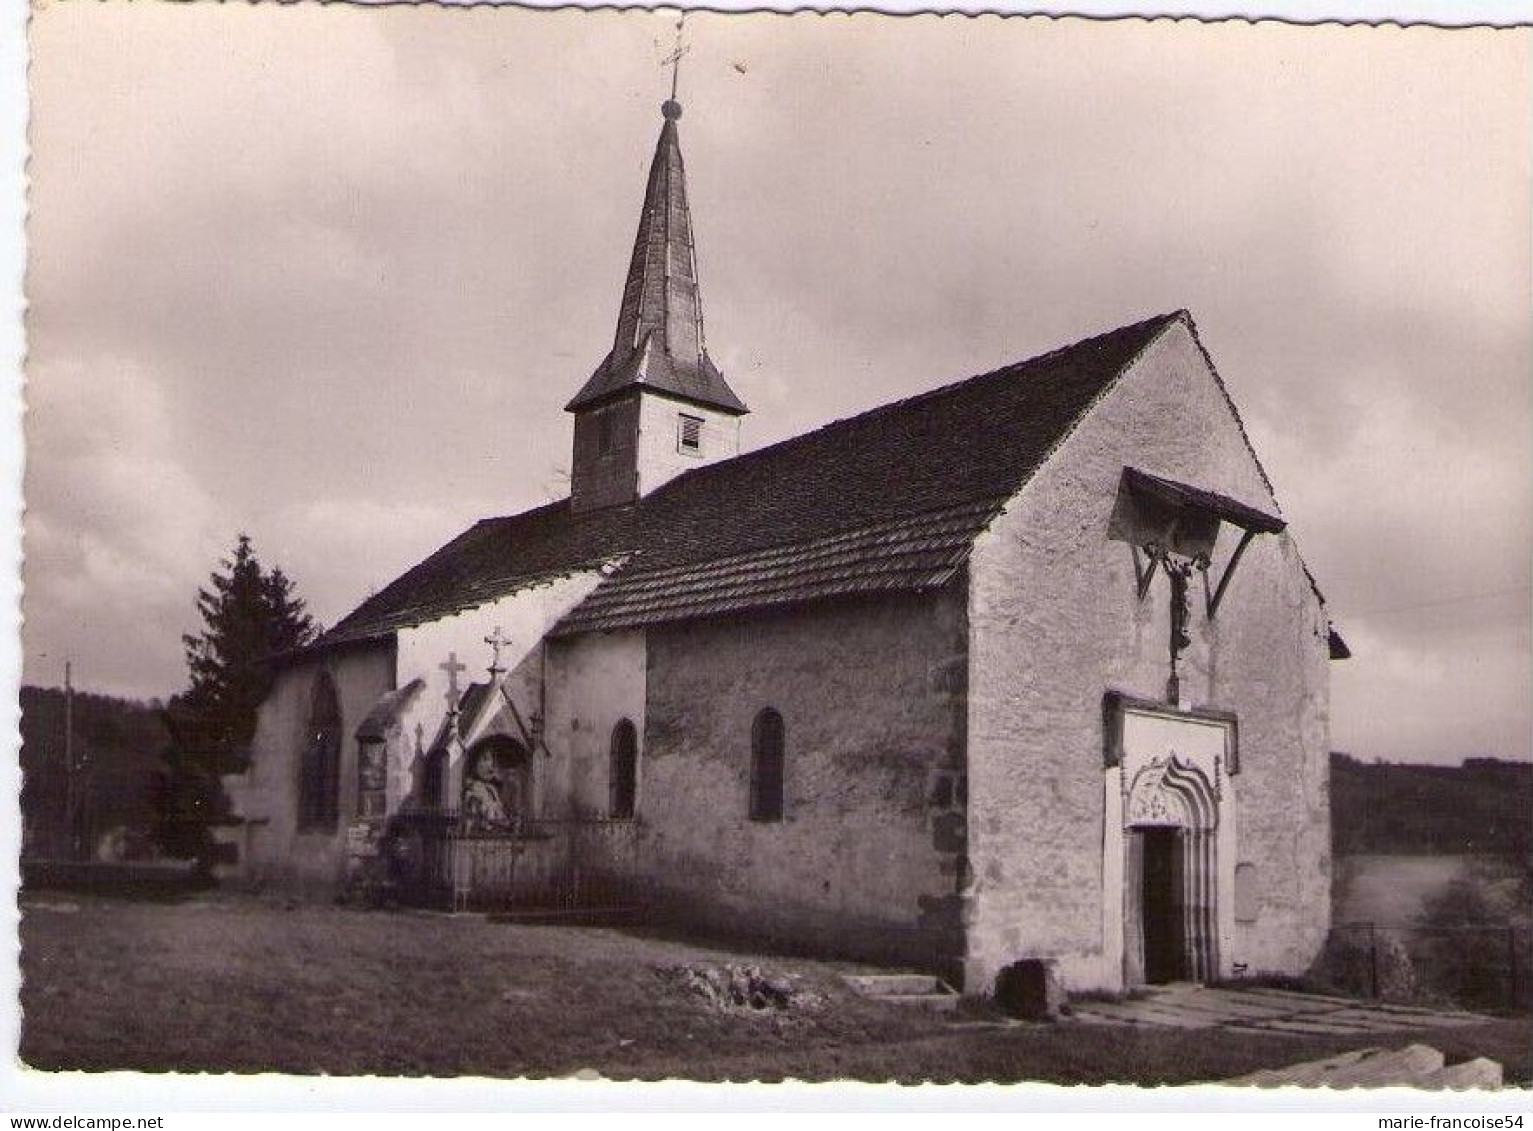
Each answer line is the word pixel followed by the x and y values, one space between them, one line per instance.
pixel 1179 571
pixel 1175 527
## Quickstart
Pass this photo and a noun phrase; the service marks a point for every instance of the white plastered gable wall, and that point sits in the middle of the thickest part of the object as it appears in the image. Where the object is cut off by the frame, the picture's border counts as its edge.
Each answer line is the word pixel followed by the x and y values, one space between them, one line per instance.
pixel 660 454
pixel 1056 623
pixel 524 618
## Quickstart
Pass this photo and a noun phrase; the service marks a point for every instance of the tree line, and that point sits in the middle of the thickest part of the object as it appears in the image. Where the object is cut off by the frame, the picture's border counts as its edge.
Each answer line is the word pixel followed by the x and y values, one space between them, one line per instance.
pixel 1484 807
pixel 155 769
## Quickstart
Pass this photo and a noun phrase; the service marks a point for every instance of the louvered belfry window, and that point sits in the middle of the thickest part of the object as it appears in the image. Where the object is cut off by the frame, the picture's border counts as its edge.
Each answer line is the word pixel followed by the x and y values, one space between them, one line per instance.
pixel 319 786
pixel 689 434
pixel 623 779
pixel 767 767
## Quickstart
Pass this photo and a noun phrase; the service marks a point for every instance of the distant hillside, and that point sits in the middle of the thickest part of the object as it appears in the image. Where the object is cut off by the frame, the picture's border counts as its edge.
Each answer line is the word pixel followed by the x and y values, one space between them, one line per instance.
pixel 1483 806
pixel 117 743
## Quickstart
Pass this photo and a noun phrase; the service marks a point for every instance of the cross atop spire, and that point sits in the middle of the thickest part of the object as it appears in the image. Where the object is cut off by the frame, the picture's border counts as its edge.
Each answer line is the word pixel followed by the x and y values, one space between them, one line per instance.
pixel 673 61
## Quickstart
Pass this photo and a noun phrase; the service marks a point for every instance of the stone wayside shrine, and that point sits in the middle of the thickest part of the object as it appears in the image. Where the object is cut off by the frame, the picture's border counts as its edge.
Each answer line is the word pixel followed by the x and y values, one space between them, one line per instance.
pixel 1026 669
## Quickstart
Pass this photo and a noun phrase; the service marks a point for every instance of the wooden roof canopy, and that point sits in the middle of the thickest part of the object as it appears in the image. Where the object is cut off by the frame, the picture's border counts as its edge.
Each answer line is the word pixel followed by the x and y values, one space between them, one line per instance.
pixel 1182 498
pixel 1161 517
pixel 1185 519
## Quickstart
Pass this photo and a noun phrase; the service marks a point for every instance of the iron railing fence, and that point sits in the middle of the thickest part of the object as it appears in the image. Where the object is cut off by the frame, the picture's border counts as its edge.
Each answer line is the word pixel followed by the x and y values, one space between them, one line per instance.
pixel 1471 964
pixel 436 860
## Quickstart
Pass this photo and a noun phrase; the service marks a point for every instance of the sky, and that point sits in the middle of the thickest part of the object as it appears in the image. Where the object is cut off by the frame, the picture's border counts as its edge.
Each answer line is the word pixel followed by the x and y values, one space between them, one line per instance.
pixel 327 276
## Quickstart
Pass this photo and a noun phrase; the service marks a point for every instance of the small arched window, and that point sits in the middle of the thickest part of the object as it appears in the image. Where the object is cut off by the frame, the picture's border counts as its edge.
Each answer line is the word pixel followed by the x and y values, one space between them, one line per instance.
pixel 319 786
pixel 767 766
pixel 623 772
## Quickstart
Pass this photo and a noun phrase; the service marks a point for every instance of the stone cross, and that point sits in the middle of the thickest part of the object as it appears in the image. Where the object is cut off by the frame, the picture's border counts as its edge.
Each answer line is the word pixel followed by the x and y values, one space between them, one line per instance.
pixel 497 640
pixel 452 667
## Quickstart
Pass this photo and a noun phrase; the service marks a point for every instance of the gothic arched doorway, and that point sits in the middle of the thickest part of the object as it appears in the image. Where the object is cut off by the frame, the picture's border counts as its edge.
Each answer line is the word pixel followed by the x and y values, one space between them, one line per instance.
pixel 1170 821
pixel 497 786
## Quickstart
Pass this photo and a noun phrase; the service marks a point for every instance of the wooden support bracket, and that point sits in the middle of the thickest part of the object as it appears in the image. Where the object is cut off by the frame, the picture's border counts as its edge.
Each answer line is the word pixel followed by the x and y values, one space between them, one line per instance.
pixel 1144 569
pixel 1212 600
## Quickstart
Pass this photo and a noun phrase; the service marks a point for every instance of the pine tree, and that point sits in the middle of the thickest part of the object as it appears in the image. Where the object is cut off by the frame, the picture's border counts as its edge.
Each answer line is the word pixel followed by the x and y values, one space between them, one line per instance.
pixel 249 616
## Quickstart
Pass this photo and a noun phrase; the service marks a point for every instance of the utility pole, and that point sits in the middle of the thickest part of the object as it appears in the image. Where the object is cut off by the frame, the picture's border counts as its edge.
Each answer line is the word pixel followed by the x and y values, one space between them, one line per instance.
pixel 71 786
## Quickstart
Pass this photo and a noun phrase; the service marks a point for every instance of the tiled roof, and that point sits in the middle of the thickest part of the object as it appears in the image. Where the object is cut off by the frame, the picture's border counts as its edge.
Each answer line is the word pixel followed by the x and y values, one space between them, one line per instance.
pixel 888 500
pixel 918 551
pixel 659 341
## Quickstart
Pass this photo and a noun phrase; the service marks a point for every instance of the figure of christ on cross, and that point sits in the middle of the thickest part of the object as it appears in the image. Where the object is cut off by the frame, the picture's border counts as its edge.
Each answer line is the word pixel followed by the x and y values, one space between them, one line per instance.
pixel 497 640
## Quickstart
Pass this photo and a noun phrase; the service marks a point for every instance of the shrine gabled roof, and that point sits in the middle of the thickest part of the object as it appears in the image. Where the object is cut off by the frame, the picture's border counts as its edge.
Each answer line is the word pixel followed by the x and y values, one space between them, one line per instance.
pixel 890 500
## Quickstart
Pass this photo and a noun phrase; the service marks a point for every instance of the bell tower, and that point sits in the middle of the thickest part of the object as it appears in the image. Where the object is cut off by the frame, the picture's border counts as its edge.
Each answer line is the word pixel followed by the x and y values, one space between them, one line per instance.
pixel 657 405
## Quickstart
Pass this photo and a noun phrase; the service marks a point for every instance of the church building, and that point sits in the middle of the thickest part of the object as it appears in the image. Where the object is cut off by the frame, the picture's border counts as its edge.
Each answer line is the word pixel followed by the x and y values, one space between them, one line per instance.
pixel 1026 668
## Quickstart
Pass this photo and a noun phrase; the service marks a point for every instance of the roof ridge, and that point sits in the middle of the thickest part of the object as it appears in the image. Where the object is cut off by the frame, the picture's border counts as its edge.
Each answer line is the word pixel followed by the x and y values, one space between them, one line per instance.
pixel 1229 401
pixel 904 403
pixel 916 398
pixel 1183 316
pixel 539 509
pixel 954 386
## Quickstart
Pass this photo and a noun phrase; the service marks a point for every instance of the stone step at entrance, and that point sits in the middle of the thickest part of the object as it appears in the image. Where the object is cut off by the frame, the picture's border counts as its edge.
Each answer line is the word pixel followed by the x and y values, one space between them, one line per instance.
pixel 923 990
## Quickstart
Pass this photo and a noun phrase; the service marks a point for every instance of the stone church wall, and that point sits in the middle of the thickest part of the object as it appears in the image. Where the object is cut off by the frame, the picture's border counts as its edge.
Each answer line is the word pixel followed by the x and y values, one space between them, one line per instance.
pixel 600 478
pixel 270 845
pixel 867 858
pixel 1056 623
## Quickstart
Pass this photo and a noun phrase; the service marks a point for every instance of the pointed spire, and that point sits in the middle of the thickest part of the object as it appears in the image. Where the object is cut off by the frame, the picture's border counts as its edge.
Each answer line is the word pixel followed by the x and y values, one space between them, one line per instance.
pixel 659 342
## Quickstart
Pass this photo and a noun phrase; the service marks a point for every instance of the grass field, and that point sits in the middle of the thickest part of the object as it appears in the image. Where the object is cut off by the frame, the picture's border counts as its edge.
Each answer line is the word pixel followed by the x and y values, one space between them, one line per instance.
pixel 228 984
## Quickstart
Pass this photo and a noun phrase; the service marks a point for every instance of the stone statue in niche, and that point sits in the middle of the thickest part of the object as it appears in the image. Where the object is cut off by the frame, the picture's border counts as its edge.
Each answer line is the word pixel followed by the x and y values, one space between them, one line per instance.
pixel 484 807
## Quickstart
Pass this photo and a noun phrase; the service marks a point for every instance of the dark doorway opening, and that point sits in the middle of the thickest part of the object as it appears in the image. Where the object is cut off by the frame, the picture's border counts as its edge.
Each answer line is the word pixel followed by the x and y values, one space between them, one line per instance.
pixel 1165 944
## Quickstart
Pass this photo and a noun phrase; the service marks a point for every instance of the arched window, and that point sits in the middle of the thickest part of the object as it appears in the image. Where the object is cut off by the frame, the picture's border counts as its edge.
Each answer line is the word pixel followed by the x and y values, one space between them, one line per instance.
pixel 623 772
pixel 767 766
pixel 319 786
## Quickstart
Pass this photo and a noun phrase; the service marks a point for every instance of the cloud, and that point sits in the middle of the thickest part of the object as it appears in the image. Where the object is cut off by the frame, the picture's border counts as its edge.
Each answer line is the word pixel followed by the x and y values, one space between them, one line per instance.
pixel 115 524
pixel 328 275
